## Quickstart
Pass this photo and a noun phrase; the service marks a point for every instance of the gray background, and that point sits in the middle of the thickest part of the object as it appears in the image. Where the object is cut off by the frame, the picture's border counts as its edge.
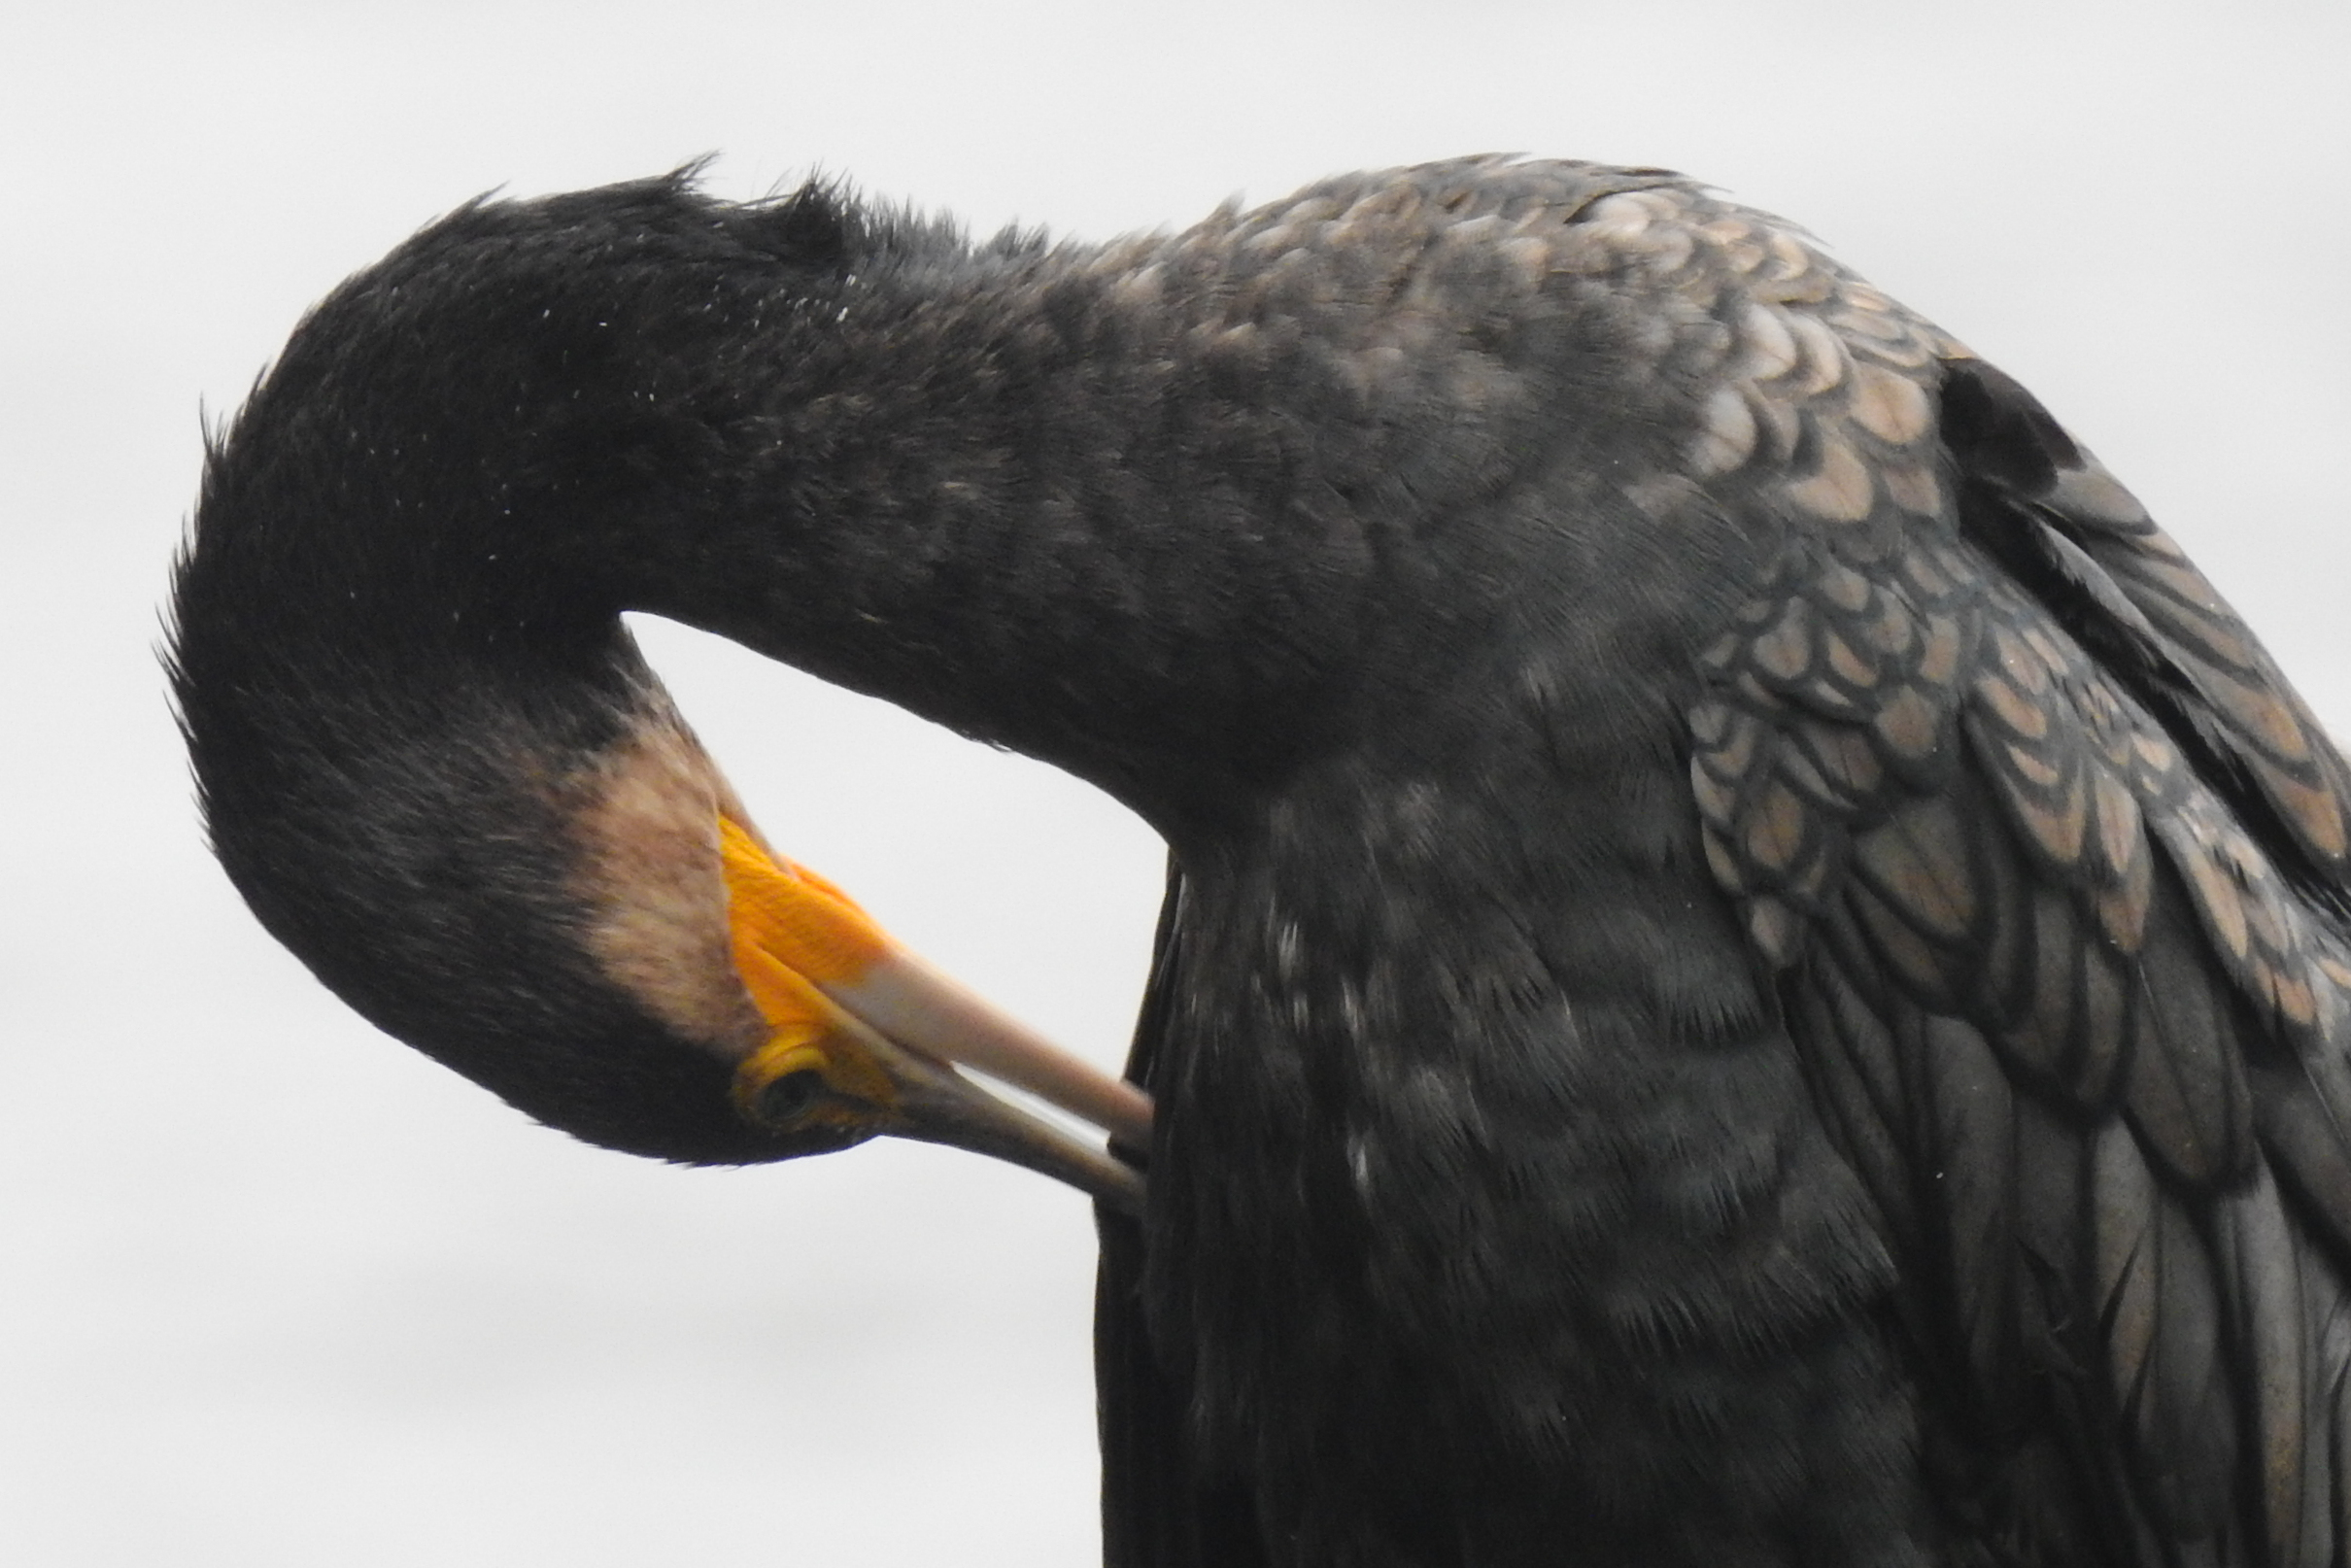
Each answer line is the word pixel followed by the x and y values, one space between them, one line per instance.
pixel 272 1291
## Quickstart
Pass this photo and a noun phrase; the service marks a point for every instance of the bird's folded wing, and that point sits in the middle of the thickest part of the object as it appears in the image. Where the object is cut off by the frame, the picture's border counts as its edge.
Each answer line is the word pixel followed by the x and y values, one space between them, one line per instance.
pixel 2051 863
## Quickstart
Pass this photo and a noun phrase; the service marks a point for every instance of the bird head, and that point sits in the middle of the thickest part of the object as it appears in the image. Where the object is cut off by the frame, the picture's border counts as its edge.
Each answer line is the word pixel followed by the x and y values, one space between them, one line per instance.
pixel 433 763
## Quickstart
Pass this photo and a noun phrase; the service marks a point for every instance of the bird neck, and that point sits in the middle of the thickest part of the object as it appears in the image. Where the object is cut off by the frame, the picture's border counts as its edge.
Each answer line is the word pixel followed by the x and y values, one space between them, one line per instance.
pixel 1060 499
pixel 1026 498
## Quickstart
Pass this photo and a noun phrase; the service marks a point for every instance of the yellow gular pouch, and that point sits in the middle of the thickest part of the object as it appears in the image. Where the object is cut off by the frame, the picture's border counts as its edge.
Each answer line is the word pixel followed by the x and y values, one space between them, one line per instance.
pixel 791 930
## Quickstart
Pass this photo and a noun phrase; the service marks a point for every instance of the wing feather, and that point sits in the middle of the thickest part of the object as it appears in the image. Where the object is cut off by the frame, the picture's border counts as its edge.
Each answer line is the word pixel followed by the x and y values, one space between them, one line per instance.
pixel 2052 865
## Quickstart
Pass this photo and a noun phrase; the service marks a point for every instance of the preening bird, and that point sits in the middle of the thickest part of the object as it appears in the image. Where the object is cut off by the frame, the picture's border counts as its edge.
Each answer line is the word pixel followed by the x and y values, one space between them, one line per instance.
pixel 1756 967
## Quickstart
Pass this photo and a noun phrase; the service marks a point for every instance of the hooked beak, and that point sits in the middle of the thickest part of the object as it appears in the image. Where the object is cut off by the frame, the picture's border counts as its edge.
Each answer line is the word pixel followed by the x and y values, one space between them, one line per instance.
pixel 865 1038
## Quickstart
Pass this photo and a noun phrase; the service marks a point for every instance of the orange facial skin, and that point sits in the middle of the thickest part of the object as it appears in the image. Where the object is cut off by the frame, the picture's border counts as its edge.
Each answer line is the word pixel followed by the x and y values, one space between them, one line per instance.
pixel 788 911
pixel 789 925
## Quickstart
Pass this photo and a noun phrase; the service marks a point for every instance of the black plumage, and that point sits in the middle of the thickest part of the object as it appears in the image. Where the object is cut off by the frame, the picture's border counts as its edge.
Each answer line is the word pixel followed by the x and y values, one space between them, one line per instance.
pixel 1754 967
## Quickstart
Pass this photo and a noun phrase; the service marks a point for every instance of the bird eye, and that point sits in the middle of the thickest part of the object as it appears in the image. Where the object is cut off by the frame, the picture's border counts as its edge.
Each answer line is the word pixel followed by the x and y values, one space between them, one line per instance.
pixel 784 1102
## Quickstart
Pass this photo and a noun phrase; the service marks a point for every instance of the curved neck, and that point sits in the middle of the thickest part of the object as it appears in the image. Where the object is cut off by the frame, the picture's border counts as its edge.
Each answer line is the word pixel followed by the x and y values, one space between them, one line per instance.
pixel 1061 499
pixel 1026 502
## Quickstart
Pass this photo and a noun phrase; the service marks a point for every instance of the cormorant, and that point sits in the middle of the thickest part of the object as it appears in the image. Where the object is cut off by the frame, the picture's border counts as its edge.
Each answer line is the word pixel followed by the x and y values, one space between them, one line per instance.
pixel 1756 967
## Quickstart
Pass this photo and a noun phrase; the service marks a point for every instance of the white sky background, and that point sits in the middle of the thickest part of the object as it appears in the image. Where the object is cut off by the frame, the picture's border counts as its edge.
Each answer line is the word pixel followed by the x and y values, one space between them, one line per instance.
pixel 275 1291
